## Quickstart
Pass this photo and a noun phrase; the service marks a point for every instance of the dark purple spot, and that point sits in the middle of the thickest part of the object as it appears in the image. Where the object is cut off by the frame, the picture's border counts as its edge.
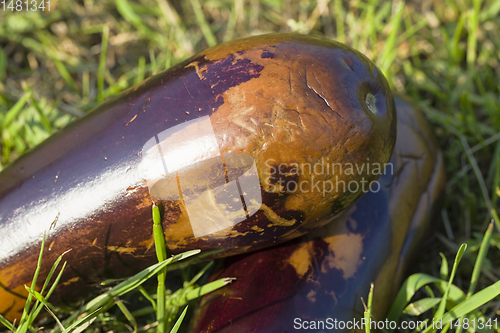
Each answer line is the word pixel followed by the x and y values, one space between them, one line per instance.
pixel 227 73
pixel 267 54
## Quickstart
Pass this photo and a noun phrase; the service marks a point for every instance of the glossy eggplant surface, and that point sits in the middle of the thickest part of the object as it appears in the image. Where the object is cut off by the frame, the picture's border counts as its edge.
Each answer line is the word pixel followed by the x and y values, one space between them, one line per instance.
pixel 315 283
pixel 245 145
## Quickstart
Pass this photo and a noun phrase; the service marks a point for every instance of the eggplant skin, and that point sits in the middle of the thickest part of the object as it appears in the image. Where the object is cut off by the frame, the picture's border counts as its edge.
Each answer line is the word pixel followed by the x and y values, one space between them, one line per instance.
pixel 278 100
pixel 325 273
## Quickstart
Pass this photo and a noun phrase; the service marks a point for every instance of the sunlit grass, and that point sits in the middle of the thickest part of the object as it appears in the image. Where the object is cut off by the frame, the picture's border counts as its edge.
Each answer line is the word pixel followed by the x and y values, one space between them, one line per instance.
pixel 454 307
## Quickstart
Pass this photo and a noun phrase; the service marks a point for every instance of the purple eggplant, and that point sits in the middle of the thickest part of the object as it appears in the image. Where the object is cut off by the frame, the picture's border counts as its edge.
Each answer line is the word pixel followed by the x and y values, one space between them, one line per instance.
pixel 315 283
pixel 215 141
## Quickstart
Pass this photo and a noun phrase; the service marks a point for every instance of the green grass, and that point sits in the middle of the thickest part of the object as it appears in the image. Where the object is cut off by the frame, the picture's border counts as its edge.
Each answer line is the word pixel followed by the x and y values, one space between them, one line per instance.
pixel 165 306
pixel 55 67
pixel 461 306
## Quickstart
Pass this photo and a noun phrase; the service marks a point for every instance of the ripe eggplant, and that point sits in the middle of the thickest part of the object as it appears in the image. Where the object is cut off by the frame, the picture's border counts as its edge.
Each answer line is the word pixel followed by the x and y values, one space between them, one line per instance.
pixel 215 141
pixel 316 282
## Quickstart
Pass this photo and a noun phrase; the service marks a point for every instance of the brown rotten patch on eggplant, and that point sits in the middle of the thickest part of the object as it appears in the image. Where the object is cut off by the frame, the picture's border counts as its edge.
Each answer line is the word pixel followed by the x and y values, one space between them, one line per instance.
pixel 322 275
pixel 216 141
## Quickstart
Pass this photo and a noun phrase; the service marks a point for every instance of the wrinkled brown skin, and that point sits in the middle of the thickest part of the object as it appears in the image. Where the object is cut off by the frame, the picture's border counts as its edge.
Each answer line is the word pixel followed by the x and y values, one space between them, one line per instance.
pixel 289 98
pixel 325 273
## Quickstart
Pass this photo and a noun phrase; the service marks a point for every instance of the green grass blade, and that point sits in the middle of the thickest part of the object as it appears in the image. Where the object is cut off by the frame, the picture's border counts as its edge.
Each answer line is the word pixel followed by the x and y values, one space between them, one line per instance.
pixel 132 283
pixel 367 314
pixel 179 321
pixel 203 24
pixel 63 71
pixel 200 273
pixel 152 58
pixel 480 180
pixel 38 296
pixel 85 85
pixel 147 296
pixel 127 314
pixel 421 306
pixel 410 287
pixel 339 20
pixel 85 321
pixel 86 324
pixel 36 312
pixel 126 10
pixel 159 237
pixel 161 253
pixel 23 322
pixel 185 295
pixel 472 37
pixel 102 64
pixel 140 70
pixel 43 118
pixel 475 301
pixel 483 250
pixel 6 323
pixel 390 49
pixel 442 306
pixel 231 23
pixel 128 285
pixel 61 68
pixel 406 292
pixel 3 64
pixel 443 272
pixel 14 111
pixel 455 53
pixel 122 288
